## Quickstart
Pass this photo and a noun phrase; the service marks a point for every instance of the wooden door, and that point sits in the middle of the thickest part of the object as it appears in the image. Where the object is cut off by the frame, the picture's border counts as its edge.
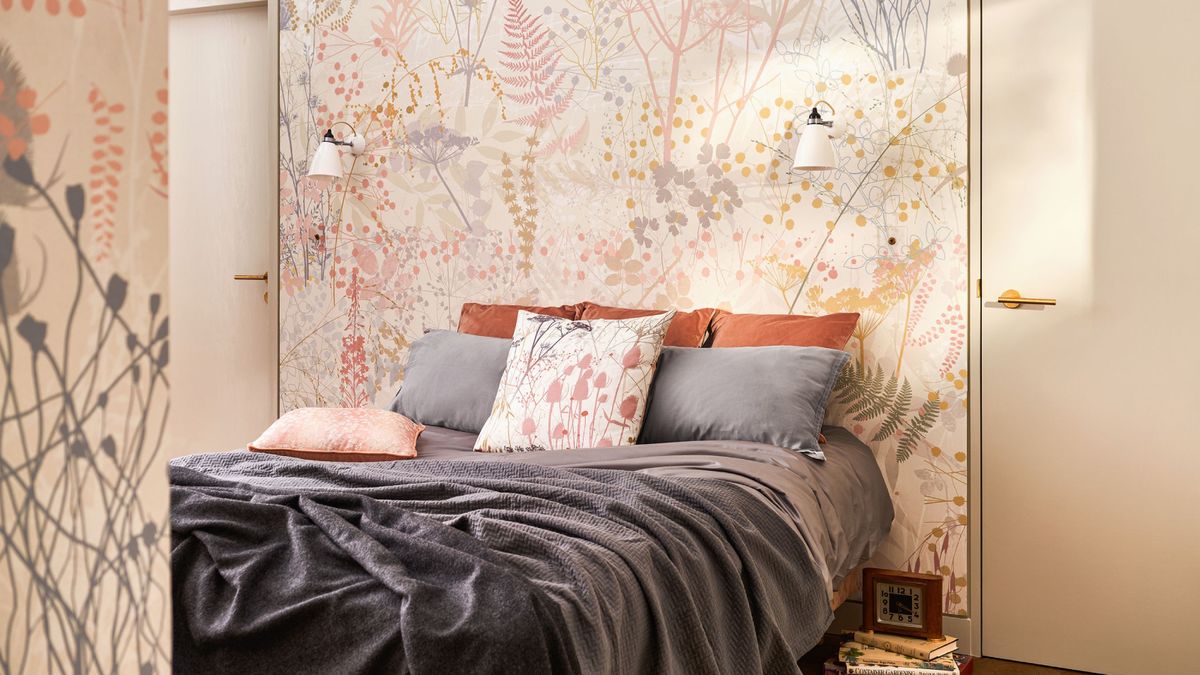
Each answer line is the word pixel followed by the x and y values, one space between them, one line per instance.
pixel 1090 453
pixel 223 201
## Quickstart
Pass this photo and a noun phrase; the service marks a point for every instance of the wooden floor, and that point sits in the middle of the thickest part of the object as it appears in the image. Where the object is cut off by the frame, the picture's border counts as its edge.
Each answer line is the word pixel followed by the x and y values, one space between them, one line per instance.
pixel 813 662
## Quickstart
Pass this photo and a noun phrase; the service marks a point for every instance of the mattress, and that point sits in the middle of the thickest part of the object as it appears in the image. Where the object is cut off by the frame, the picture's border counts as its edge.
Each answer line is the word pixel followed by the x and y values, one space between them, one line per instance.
pixel 841 507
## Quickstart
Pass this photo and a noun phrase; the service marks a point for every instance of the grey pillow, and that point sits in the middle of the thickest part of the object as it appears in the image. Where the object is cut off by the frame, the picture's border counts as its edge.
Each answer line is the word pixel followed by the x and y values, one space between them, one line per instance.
pixel 773 395
pixel 451 379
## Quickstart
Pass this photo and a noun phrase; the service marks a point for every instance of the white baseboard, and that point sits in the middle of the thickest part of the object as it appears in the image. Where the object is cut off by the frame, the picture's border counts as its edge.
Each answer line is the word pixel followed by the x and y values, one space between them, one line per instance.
pixel 849 617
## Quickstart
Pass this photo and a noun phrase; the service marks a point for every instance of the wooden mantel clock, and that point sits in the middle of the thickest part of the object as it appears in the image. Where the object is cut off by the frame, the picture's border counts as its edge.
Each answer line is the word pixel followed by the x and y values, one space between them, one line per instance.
pixel 902 603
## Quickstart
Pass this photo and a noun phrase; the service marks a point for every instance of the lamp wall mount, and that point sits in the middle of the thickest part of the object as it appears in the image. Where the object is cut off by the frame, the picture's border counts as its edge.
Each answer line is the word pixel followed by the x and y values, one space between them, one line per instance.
pixel 836 127
pixel 355 141
pixel 814 116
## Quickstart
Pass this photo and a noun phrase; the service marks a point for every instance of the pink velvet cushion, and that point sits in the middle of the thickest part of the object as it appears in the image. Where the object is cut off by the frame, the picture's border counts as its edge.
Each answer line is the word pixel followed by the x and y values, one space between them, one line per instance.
pixel 341 435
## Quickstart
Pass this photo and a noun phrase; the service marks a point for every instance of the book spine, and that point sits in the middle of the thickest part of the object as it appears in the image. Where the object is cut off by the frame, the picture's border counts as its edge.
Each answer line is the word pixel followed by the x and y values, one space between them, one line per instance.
pixel 892 646
pixel 863 669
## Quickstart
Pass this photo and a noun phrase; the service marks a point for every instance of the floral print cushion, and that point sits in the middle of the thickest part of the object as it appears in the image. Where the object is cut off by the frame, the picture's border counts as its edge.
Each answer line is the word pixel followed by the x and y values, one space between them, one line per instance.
pixel 574 384
pixel 341 435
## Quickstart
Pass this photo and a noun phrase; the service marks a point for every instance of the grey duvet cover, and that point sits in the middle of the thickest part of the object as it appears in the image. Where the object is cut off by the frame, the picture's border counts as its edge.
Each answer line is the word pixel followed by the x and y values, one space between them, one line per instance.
pixel 700 557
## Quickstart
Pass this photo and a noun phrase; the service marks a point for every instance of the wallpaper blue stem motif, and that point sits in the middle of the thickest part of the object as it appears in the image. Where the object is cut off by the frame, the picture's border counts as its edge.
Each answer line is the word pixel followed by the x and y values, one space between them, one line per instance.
pixel 84 339
pixel 638 153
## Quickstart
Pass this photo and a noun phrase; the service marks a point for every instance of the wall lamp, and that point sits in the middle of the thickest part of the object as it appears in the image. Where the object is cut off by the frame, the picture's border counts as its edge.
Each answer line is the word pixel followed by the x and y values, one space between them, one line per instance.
pixel 326 164
pixel 815 151
pixel 326 167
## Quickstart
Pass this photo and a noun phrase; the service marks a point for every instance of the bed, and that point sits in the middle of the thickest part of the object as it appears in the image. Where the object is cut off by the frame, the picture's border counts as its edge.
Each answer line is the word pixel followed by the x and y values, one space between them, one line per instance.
pixel 687 557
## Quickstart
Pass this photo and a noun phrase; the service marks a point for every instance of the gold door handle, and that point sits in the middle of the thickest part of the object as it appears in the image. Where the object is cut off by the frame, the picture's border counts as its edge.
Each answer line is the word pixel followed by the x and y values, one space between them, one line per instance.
pixel 256 277
pixel 1012 300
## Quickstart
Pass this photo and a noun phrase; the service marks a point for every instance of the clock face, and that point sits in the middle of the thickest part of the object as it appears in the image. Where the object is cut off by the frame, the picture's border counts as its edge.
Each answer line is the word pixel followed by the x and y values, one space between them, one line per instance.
pixel 899 605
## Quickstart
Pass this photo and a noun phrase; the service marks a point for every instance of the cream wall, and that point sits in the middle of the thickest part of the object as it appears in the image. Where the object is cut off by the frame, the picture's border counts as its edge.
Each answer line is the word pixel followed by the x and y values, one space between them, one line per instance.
pixel 1089 500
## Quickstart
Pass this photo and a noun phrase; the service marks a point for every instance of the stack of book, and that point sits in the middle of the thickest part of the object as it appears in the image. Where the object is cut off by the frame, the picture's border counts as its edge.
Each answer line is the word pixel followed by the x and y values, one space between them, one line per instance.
pixel 864 653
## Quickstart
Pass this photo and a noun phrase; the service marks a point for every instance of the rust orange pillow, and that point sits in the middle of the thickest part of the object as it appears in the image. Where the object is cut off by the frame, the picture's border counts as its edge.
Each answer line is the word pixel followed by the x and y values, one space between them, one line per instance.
pixel 341 435
pixel 501 320
pixel 687 329
pixel 767 330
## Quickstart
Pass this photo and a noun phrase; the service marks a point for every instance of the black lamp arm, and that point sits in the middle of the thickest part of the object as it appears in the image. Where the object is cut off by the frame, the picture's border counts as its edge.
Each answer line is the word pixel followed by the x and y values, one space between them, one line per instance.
pixel 330 138
pixel 814 117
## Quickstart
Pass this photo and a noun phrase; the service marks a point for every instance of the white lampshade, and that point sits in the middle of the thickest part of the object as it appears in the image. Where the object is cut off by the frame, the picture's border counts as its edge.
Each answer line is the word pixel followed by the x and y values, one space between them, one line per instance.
pixel 815 151
pixel 326 164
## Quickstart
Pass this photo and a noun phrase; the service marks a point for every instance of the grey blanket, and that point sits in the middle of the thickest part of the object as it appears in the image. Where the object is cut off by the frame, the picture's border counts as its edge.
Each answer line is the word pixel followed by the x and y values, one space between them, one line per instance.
pixel 448 566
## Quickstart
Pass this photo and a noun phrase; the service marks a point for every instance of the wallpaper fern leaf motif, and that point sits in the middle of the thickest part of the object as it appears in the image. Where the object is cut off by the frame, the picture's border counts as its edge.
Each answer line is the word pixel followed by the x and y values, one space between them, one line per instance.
pixel 84 335
pixel 638 153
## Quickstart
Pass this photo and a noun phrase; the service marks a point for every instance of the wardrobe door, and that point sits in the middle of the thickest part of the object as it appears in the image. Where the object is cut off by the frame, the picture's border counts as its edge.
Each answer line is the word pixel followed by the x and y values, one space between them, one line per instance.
pixel 1090 457
pixel 223 204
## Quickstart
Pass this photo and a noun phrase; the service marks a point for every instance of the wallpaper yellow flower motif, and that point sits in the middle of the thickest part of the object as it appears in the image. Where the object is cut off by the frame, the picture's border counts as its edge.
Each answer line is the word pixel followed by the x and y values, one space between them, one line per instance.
pixel 639 153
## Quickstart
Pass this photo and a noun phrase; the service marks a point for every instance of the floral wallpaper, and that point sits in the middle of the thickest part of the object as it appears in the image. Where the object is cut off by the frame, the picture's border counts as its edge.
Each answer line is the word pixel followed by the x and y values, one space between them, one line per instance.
pixel 638 153
pixel 84 580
